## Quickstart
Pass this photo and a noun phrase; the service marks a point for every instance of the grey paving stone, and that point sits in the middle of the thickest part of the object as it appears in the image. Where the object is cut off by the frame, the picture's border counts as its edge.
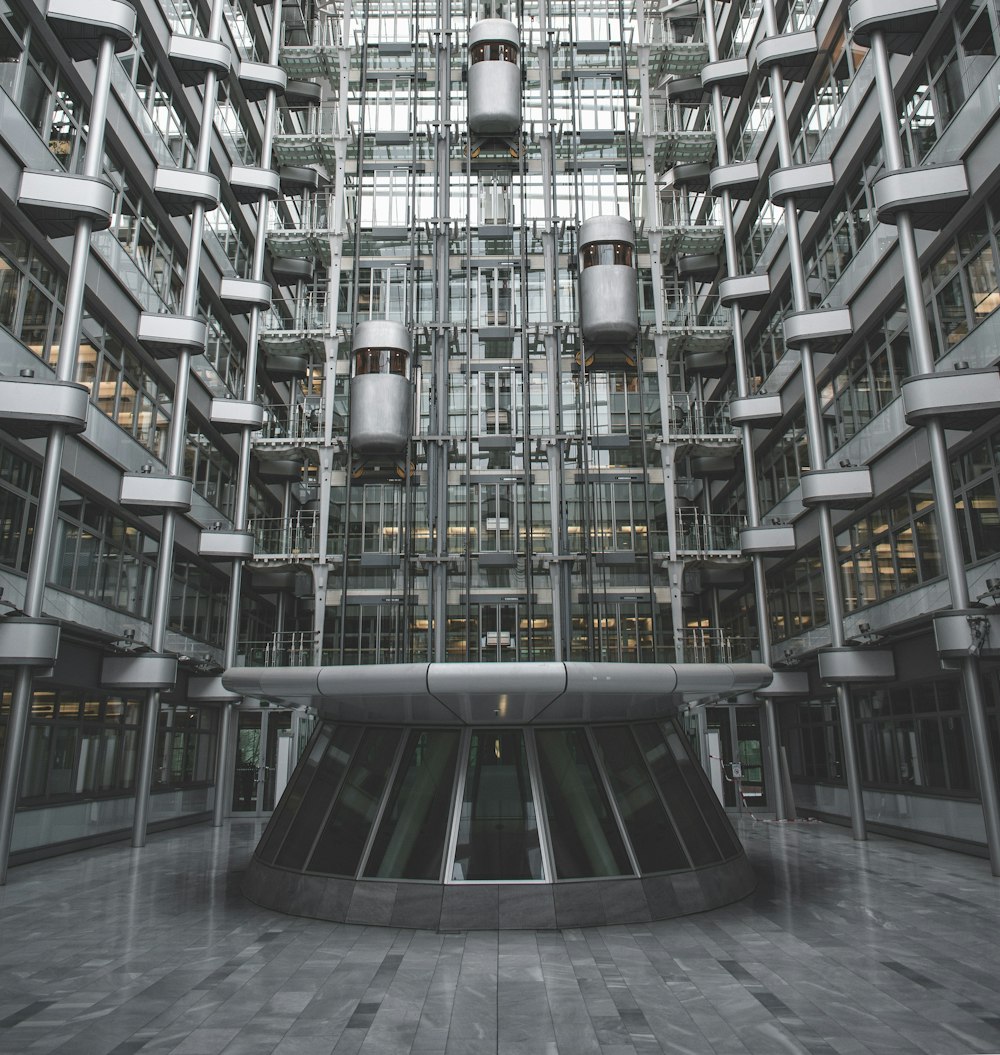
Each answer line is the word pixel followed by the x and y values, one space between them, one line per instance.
pixel 842 949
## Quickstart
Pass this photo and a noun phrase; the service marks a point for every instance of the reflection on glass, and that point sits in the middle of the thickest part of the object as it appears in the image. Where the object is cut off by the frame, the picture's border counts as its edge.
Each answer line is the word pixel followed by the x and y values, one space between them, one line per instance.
pixel 302 832
pixel 498 830
pixel 701 791
pixel 683 809
pixel 585 838
pixel 410 839
pixel 342 841
pixel 653 838
pixel 289 805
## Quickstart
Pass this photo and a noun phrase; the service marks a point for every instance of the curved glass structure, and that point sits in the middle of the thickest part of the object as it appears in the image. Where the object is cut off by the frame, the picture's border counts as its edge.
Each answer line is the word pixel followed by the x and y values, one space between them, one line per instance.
pixel 495 809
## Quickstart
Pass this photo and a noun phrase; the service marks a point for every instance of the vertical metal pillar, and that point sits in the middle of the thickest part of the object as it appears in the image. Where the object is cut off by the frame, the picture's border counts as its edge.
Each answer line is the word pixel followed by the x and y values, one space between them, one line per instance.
pixel 560 568
pixel 176 439
pixel 951 545
pixel 746 432
pixel 438 448
pixel 817 447
pixel 243 468
pixel 48 497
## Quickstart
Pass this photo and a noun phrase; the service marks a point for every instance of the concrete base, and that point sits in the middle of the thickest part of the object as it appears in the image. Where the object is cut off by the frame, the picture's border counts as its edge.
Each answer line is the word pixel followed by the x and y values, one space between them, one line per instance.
pixel 499 906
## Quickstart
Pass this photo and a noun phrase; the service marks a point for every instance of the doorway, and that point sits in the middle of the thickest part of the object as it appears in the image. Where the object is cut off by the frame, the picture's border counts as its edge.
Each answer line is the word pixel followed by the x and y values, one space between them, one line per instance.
pixel 736 727
pixel 265 756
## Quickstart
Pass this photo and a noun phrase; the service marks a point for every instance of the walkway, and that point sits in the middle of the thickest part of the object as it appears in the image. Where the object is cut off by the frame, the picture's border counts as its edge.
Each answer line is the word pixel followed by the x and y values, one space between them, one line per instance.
pixel 845 949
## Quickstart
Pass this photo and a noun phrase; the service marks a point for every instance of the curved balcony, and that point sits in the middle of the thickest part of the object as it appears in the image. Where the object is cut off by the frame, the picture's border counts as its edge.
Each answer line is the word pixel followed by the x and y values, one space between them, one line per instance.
pixel 856 664
pixel 903 23
pixel 80 25
pixel 30 406
pixel 843 488
pixel 748 292
pixel 233 415
pixel 258 78
pixel 767 539
pixel 249 182
pixel 739 178
pixel 219 544
pixel 152 495
pixel 809 185
pixel 728 75
pixel 961 399
pixel 794 52
pixel 693 177
pixel 193 57
pixel 823 329
pixel 27 642
pixel 685 90
pixel 165 336
pixel 56 201
pixel 179 189
pixel 931 194
pixel 756 410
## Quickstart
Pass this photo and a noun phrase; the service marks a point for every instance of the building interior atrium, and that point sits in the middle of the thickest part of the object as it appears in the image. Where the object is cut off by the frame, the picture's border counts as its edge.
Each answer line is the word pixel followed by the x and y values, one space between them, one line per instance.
pixel 513 467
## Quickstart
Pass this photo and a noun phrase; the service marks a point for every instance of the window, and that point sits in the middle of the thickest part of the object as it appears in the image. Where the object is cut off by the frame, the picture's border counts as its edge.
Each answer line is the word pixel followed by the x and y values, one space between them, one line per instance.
pixel 811 734
pixel 957 62
pixel 185 747
pixel 914 737
pixel 31 297
pixel 80 744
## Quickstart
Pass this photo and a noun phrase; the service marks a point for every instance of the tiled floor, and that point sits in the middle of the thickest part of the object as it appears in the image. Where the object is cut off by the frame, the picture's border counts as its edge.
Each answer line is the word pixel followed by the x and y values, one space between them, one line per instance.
pixel 844 949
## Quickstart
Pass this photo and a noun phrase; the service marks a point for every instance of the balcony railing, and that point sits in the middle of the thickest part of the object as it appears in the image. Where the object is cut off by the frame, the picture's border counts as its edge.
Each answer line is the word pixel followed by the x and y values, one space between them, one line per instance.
pixel 294 649
pixel 309 314
pixel 698 419
pixel 712 644
pixel 294 538
pixel 684 314
pixel 310 48
pixel 305 135
pixel 708 533
pixel 283 423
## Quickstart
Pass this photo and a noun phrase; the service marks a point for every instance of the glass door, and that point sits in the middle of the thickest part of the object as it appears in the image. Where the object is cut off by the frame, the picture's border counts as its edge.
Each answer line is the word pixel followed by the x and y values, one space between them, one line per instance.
pixel 734 736
pixel 265 757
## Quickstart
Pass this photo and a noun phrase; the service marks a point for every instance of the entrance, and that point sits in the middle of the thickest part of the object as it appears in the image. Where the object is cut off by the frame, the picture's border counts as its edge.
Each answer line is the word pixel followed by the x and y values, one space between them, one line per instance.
pixel 265 756
pixel 739 726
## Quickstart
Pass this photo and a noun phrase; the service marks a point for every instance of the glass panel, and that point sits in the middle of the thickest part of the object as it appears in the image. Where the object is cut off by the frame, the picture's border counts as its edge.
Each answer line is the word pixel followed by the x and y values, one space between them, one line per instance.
pixel 654 840
pixel 696 780
pixel 247 763
pixel 63 758
pixel 410 840
pixel 315 805
pixel 683 808
pixel 342 841
pixel 498 829
pixel 289 805
pixel 278 759
pixel 585 837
